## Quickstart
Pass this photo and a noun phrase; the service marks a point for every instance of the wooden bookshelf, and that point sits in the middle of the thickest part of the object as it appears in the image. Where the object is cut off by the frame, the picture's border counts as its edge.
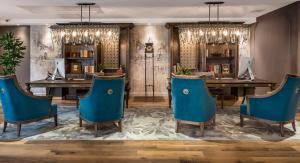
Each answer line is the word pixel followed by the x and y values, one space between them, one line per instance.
pixel 78 57
pixel 222 59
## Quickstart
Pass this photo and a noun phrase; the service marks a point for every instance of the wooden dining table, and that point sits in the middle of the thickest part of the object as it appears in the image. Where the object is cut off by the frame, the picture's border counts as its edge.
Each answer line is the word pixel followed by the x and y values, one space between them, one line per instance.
pixel 222 84
pixel 50 85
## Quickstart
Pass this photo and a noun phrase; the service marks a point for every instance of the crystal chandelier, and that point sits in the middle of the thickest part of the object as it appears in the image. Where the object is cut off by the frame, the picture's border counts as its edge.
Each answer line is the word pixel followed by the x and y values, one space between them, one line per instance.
pixel 213 32
pixel 84 32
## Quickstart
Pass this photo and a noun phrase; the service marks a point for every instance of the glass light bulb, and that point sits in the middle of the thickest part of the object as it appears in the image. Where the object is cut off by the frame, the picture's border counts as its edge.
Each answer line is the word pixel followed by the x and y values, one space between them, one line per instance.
pixel 237 33
pixel 86 33
pixel 74 33
pixel 213 33
pixel 189 33
pixel 109 33
pixel 225 33
pixel 201 33
pixel 62 33
pixel 98 33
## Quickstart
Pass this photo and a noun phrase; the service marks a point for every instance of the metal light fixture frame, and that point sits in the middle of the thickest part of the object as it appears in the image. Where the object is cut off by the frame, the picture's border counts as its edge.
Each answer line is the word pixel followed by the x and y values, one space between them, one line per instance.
pixel 84 32
pixel 213 31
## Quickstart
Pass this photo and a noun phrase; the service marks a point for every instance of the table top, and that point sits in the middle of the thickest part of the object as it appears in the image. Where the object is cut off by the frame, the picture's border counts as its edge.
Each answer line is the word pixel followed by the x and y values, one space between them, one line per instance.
pixel 64 83
pixel 237 81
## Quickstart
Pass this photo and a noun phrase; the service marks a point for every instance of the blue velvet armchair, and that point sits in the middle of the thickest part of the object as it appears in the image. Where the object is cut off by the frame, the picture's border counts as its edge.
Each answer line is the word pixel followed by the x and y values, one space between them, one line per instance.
pixel 104 102
pixel 192 102
pixel 280 106
pixel 20 107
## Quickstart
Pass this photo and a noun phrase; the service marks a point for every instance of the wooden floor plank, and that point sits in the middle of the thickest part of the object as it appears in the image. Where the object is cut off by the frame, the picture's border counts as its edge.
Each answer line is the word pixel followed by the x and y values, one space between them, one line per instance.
pixel 150 151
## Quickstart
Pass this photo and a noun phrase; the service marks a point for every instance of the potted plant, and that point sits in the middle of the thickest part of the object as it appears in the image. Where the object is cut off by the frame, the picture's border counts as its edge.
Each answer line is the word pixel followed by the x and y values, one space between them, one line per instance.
pixel 100 68
pixel 13 52
pixel 181 70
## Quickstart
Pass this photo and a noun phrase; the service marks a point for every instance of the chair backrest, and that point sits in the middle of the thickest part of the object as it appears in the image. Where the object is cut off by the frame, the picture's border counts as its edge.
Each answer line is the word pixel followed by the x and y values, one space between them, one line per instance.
pixel 107 96
pixel 191 100
pixel 11 97
pixel 287 96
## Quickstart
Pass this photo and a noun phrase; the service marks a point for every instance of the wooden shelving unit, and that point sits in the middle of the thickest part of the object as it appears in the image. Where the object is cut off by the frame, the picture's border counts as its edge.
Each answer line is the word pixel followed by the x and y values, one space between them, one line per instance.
pixel 222 59
pixel 77 57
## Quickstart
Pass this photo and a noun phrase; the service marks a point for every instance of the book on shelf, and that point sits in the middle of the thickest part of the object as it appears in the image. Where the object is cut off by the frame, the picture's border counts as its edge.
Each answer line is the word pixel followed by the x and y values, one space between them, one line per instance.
pixel 214 68
pixel 89 69
pixel 225 68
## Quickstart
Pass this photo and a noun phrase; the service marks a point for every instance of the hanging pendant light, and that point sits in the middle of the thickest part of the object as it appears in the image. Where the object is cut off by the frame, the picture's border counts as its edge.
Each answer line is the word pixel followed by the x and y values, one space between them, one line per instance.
pixel 213 31
pixel 84 32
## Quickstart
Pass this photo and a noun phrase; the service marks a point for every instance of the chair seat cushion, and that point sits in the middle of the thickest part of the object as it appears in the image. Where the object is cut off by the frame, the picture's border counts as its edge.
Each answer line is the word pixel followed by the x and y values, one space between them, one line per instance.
pixel 53 109
pixel 243 109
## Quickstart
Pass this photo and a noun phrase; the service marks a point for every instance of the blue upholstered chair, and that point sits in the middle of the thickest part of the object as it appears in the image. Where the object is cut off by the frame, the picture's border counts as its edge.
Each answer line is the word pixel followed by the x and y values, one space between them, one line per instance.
pixel 20 107
pixel 192 102
pixel 104 102
pixel 280 106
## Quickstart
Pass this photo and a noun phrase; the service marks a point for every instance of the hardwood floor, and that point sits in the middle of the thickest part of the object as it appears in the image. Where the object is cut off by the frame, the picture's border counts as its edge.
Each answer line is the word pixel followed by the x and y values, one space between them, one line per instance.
pixel 149 151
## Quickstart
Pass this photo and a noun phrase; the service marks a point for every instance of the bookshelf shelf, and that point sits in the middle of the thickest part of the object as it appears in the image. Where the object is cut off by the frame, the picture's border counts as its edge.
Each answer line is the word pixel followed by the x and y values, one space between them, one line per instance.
pixel 222 59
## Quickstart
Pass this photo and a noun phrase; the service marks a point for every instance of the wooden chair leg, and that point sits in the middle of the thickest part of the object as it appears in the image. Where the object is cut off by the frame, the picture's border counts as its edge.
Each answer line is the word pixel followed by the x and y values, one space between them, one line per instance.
pixel 80 122
pixel 96 129
pixel 55 120
pixel 120 125
pixel 177 126
pixel 127 98
pixel 281 125
pixel 19 129
pixel 214 121
pixel 77 102
pixel 202 128
pixel 241 120
pixel 294 126
pixel 222 101
pixel 4 126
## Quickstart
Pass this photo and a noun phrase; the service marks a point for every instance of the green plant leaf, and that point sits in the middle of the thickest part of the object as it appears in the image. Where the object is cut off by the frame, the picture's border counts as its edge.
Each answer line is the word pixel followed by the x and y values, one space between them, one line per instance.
pixel 13 52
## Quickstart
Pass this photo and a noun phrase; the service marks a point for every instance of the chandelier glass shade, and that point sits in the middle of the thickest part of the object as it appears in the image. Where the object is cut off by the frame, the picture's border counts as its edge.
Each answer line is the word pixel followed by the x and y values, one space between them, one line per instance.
pixel 213 33
pixel 85 33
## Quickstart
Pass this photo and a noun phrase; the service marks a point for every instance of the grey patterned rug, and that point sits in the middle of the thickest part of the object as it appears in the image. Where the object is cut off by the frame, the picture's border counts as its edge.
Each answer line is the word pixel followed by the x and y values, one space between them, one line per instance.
pixel 150 124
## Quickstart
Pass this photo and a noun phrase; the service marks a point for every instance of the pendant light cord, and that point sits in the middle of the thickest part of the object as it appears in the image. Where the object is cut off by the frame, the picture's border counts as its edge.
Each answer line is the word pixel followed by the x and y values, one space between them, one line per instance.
pixel 81 12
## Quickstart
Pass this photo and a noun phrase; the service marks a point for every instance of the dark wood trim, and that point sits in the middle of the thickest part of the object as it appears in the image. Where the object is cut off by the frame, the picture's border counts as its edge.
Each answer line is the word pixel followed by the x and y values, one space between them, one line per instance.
pixel 176 24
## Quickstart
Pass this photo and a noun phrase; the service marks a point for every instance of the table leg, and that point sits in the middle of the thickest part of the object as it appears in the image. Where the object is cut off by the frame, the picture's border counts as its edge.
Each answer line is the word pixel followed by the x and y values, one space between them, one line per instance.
pixel 170 97
pixel 244 94
pixel 28 88
pixel 50 91
pixel 127 97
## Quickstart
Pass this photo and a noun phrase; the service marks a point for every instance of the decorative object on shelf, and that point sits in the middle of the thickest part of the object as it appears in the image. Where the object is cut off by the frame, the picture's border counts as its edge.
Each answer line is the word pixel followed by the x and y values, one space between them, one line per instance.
pixel 89 69
pixel 13 51
pixel 100 67
pixel 75 68
pixel 225 68
pixel 84 32
pixel 213 32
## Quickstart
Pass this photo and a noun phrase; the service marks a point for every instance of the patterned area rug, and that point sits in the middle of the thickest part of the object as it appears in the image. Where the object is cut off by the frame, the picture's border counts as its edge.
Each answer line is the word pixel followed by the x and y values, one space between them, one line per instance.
pixel 150 124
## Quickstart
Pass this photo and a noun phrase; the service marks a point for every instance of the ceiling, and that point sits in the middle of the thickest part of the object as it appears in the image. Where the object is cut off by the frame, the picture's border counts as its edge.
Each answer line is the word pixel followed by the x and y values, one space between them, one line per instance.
pixel 30 12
